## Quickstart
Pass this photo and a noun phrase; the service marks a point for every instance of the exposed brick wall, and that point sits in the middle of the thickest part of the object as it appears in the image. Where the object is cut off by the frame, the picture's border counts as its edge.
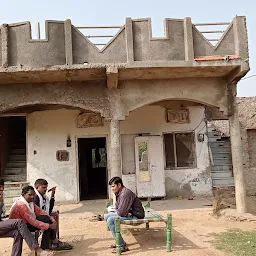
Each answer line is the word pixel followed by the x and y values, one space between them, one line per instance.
pixel 251 134
pixel 247 118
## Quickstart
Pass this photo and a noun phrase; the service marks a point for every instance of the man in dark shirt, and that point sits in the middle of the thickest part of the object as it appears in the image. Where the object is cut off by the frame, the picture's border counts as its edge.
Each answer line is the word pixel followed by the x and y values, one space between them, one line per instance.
pixel 41 199
pixel 49 239
pixel 128 206
pixel 18 231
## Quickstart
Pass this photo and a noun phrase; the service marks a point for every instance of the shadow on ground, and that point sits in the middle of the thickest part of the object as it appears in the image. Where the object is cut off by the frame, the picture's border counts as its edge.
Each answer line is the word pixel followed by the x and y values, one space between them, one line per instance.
pixel 139 240
pixel 97 206
pixel 156 240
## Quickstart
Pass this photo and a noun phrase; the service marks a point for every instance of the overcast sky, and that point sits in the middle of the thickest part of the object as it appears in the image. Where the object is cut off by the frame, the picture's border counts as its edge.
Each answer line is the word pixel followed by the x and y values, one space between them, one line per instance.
pixel 114 12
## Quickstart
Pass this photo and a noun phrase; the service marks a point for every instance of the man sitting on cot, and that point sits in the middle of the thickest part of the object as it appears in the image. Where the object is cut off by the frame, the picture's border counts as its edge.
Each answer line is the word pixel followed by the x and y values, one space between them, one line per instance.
pixel 128 206
pixel 46 204
pixel 32 215
pixel 18 231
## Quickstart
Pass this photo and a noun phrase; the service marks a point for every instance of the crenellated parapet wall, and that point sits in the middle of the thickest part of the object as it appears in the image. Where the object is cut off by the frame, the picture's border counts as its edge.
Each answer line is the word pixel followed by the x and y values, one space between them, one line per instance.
pixel 134 43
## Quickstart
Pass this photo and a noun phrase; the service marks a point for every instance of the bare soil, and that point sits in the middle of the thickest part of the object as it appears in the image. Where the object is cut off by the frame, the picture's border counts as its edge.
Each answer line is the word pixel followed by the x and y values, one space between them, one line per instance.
pixel 194 228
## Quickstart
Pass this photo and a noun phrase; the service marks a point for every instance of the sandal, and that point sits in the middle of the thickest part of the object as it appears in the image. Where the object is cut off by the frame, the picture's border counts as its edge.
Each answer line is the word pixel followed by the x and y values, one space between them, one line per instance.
pixel 112 246
pixel 96 218
pixel 123 249
pixel 61 246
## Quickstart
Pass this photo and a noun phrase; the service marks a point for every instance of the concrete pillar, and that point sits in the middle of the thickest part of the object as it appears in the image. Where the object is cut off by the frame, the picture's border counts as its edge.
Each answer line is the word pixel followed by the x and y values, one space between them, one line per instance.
pixel 236 149
pixel 115 149
pixel 115 156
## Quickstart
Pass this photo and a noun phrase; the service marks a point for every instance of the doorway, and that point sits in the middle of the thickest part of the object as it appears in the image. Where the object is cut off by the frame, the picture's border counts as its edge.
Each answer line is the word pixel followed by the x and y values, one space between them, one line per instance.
pixel 92 156
pixel 13 148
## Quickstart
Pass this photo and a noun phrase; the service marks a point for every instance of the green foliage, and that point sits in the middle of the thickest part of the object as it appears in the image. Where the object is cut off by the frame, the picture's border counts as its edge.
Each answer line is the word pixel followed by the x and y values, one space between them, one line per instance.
pixel 143 146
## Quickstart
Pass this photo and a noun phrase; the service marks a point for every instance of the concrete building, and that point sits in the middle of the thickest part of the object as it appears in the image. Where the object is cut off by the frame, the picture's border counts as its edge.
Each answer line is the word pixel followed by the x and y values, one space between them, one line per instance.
pixel 77 114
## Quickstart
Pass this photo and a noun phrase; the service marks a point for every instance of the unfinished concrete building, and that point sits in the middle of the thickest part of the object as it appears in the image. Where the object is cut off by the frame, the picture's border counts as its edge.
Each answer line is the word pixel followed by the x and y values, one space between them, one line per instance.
pixel 77 114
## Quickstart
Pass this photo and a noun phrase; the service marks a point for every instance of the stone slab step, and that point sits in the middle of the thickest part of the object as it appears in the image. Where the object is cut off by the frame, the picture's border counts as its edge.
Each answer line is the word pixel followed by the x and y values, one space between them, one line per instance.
pixel 11 199
pixel 225 149
pixel 14 171
pixel 15 178
pixel 221 155
pixel 18 152
pixel 17 157
pixel 221 161
pixel 221 168
pixel 15 184
pixel 211 129
pixel 214 139
pixel 220 175
pixel 222 182
pixel 16 164
pixel 216 135
pixel 13 191
pixel 219 144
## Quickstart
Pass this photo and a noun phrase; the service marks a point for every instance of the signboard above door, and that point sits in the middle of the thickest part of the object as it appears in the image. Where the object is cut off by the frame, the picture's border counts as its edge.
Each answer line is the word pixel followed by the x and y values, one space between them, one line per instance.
pixel 177 116
pixel 89 119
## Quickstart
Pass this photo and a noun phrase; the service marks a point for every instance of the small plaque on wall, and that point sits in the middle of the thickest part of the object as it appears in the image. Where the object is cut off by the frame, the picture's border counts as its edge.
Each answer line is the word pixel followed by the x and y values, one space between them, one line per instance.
pixel 177 116
pixel 89 119
pixel 62 155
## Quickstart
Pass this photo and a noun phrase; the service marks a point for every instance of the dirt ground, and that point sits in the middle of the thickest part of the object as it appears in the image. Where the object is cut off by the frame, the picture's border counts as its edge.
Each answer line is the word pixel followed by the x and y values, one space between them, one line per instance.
pixel 251 203
pixel 193 230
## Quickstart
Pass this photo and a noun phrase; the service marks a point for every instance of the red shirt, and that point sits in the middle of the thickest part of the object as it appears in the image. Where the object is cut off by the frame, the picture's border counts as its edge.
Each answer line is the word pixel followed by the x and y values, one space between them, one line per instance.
pixel 21 211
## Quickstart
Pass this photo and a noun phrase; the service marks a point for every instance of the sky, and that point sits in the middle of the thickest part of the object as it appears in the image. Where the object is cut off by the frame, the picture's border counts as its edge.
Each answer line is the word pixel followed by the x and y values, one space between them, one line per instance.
pixel 114 12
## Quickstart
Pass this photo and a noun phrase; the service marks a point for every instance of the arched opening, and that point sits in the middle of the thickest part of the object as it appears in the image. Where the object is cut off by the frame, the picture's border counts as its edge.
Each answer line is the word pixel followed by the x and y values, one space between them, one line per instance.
pixel 64 144
pixel 171 140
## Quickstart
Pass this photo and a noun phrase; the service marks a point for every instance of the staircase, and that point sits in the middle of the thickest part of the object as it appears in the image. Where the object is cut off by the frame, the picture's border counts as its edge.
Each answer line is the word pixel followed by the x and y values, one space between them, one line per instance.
pixel 12 190
pixel 220 149
pixel 15 170
pixel 15 174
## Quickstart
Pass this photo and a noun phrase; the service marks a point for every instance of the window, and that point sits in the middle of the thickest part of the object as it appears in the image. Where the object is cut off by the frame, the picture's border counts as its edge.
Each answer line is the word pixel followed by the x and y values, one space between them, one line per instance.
pixel 144 174
pixel 99 158
pixel 179 150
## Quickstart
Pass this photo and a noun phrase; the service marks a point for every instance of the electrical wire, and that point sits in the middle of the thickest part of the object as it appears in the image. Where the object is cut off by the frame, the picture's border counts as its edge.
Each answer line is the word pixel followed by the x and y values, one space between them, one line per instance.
pixel 199 125
pixel 248 77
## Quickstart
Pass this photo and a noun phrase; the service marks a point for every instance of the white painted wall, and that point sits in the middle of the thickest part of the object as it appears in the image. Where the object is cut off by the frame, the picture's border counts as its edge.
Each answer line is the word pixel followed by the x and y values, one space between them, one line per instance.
pixel 151 119
pixel 48 132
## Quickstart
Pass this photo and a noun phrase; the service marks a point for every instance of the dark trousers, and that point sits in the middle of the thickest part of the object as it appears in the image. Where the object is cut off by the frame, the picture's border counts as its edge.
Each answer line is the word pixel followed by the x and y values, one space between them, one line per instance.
pixel 48 235
pixel 18 231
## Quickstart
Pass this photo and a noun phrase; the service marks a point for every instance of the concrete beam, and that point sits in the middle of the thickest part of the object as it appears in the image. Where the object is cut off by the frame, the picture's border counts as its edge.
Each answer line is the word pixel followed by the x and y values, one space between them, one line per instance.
pixel 238 73
pixel 112 77
pixel 4 34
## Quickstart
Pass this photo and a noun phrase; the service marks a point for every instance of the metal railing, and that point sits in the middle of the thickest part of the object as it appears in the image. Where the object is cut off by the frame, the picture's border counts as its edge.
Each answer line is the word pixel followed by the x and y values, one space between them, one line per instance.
pixel 212 31
pixel 101 39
